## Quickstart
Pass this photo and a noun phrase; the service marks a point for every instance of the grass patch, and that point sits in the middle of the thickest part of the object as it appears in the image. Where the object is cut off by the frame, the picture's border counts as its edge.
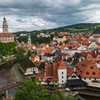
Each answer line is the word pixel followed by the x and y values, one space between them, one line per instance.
pixel 20 72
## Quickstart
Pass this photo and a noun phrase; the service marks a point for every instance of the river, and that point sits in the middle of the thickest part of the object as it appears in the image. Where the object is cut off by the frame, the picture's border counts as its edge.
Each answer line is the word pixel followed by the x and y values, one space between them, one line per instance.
pixel 4 80
pixel 4 75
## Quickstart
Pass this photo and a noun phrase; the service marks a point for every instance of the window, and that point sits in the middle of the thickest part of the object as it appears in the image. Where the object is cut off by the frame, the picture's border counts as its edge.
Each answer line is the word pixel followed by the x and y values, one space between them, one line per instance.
pixel 93 73
pixel 49 78
pixel 62 81
pixel 73 76
pixel 87 73
pixel 84 78
pixel 89 78
pixel 62 77
pixel 62 72
pixel 91 67
pixel 41 78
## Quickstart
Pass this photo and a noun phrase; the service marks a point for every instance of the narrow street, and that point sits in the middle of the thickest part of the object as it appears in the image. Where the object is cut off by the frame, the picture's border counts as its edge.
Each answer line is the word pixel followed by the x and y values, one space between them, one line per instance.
pixel 16 73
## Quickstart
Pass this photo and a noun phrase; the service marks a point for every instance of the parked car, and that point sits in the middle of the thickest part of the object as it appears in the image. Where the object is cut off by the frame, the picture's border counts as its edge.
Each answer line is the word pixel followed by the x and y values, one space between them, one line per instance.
pixel 8 84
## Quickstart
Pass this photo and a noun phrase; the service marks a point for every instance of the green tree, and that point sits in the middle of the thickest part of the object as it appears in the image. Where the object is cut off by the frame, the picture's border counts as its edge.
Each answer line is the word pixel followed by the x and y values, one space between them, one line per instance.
pixel 29 53
pixel 47 81
pixel 66 41
pixel 1 56
pixel 4 52
pixel 30 90
pixel 51 36
pixel 14 50
pixel 20 54
pixel 60 43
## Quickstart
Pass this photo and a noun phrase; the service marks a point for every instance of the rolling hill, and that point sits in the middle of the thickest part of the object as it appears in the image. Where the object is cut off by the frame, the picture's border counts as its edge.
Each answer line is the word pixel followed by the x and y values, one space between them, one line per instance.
pixel 71 28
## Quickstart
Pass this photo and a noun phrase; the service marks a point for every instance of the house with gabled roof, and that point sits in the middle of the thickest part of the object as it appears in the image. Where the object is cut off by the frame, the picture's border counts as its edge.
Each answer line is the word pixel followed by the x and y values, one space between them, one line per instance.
pixel 57 71
pixel 34 58
pixel 61 39
pixel 65 55
pixel 71 74
pixel 29 68
pixel 92 45
pixel 88 71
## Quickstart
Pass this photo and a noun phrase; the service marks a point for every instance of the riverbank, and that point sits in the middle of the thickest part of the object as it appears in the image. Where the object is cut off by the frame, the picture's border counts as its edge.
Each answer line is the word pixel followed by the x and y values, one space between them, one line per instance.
pixel 1 63
pixel 9 75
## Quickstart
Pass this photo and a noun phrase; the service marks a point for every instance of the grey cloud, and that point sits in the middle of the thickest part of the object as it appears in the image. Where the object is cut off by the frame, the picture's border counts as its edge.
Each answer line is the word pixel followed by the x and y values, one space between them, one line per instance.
pixel 60 12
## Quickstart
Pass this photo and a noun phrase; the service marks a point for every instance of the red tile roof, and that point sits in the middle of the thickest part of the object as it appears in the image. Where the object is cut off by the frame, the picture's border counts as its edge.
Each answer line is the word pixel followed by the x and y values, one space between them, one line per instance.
pixel 65 54
pixel 61 65
pixel 6 34
pixel 33 56
pixel 37 63
pixel 55 74
pixel 69 72
pixel 87 69
pixel 49 70
pixel 41 73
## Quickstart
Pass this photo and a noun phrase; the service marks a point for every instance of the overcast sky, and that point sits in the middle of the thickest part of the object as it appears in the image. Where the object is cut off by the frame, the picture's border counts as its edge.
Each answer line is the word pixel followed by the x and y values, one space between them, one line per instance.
pixel 29 15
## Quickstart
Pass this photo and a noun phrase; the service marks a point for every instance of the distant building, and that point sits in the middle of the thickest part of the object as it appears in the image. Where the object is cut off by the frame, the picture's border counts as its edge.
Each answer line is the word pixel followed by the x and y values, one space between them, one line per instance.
pixel 61 39
pixel 96 34
pixel 23 34
pixel 5 36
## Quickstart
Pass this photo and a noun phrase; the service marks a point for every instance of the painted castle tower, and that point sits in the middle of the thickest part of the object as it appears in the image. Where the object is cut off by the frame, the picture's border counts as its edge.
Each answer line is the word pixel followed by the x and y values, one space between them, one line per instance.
pixel 5 26
pixel 6 37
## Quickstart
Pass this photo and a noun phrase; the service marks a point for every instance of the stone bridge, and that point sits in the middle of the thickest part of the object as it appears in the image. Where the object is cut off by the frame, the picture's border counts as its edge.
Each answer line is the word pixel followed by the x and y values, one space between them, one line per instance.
pixel 3 89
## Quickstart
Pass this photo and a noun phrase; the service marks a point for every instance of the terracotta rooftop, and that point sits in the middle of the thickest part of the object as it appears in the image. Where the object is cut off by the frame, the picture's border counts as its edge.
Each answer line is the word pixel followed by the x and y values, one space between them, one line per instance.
pixel 33 56
pixel 49 70
pixel 87 69
pixel 6 34
pixel 37 63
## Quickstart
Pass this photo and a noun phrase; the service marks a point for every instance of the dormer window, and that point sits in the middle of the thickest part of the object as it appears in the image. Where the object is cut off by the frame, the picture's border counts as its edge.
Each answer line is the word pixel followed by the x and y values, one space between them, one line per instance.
pixel 91 67
pixel 87 73
pixel 78 68
pixel 93 73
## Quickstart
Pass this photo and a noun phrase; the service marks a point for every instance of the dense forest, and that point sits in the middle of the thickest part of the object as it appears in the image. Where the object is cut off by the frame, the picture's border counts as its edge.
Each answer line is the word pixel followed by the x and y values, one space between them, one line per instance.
pixel 35 40
pixel 7 48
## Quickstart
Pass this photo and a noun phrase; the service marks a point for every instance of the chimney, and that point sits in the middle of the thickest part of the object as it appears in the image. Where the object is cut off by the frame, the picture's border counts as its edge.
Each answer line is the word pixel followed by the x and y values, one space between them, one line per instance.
pixel 74 69
pixel 45 71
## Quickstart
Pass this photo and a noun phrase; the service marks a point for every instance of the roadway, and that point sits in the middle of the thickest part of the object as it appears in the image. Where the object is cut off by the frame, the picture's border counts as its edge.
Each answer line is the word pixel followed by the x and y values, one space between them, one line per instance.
pixel 16 72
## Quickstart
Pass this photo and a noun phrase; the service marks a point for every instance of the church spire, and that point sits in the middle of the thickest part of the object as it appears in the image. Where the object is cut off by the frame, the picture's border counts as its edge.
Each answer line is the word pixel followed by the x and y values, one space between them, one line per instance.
pixel 5 26
pixel 29 39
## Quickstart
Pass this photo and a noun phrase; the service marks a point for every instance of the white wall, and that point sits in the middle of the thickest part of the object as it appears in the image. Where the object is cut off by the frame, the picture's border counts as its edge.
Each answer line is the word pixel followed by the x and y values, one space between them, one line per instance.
pixel 90 79
pixel 73 75
pixel 71 52
pixel 97 39
pixel 60 75
pixel 29 71
pixel 93 44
